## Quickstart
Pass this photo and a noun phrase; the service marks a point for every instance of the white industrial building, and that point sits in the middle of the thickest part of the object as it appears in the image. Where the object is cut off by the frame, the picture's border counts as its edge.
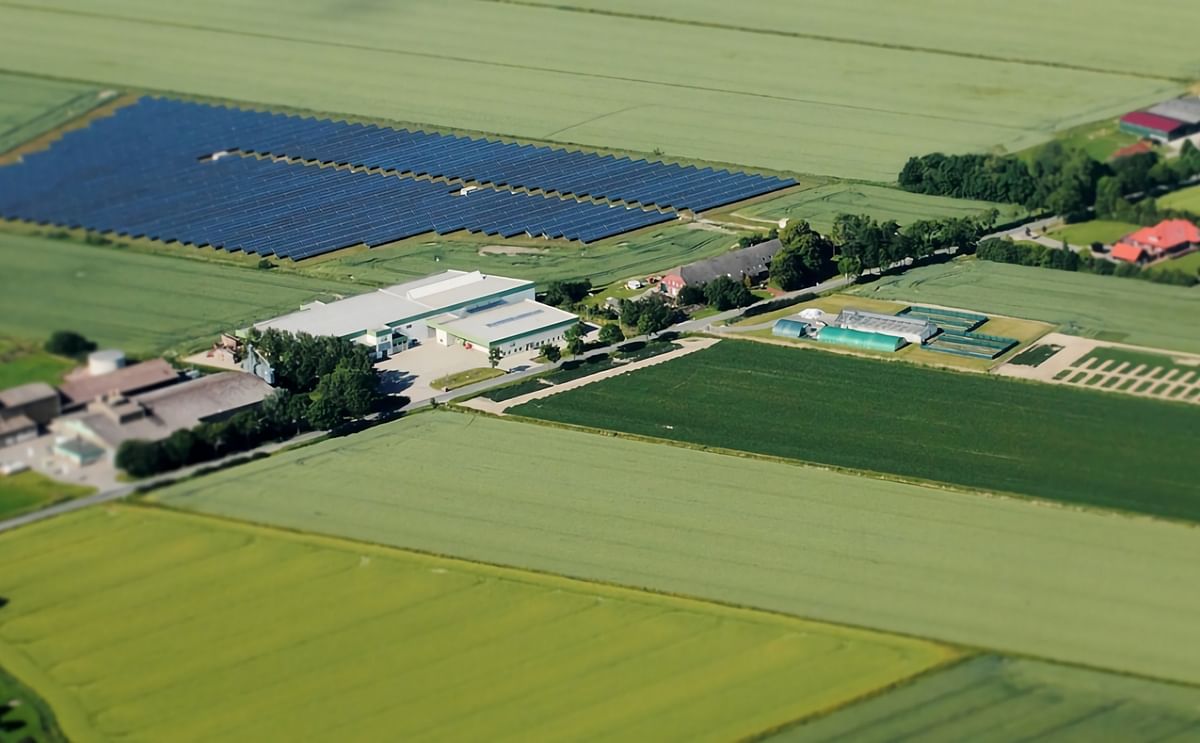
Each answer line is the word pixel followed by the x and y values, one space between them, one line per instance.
pixel 471 309
pixel 912 329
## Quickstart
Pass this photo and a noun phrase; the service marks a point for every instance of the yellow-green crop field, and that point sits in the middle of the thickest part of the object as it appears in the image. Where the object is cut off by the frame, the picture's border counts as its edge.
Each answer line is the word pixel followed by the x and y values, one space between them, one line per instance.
pixel 140 624
pixel 830 90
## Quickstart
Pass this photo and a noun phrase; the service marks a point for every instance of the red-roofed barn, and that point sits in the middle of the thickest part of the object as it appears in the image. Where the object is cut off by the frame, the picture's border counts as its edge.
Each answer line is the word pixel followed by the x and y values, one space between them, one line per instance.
pixel 1153 126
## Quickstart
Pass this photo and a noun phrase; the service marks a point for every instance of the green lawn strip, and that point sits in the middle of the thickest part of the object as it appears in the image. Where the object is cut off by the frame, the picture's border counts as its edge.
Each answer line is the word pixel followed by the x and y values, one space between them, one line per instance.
pixel 22 362
pixel 1110 382
pixel 1144 386
pixel 1160 389
pixel 766 533
pixel 1095 231
pixel 24 716
pixel 995 700
pixel 1187 199
pixel 1062 374
pixel 1094 379
pixel 29 491
pixel 572 369
pixel 1126 384
pixel 1189 264
pixel 487 653
pixel 967 429
pixel 1105 307
pixel 464 378
pixel 1078 378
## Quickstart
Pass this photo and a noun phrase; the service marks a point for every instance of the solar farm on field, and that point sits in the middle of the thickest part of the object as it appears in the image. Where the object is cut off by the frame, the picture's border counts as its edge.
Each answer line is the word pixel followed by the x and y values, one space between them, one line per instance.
pixel 1105 307
pixel 999 573
pixel 820 205
pixel 140 302
pixel 139 624
pixel 965 429
pixel 852 105
pixel 997 700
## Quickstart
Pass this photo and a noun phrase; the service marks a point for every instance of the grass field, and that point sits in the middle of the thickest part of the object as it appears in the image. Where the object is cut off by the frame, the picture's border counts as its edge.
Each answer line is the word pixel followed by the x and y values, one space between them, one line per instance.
pixel 140 302
pixel 821 205
pixel 965 429
pixel 1001 573
pixel 1104 307
pixel 23 361
pixel 463 378
pixel 997 700
pixel 28 491
pixel 1187 200
pixel 1189 263
pixel 703 87
pixel 30 106
pixel 24 717
pixel 272 636
pixel 1095 231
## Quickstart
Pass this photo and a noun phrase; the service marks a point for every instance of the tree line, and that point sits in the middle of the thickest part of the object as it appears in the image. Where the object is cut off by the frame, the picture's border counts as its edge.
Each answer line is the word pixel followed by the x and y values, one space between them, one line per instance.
pixel 1062 180
pixel 321 383
pixel 1064 259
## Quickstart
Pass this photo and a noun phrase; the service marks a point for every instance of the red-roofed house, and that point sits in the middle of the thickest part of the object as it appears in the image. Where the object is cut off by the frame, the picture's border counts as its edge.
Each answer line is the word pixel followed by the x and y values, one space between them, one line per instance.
pixel 1163 239
pixel 1153 126
pixel 1139 147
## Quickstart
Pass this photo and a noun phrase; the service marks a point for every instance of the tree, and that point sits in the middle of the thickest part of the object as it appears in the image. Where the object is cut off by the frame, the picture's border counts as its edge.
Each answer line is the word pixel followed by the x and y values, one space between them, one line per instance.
pixel 140 458
pixel 655 317
pixel 849 266
pixel 551 352
pixel 1108 197
pixel 725 294
pixel 611 334
pixel 494 356
pixel 70 344
pixel 574 339
pixel 806 257
pixel 560 293
pixel 690 294
pixel 324 414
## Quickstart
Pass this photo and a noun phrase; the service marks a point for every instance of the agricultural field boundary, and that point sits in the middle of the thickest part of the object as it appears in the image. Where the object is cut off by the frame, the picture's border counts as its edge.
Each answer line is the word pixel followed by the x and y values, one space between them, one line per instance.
pixel 690 345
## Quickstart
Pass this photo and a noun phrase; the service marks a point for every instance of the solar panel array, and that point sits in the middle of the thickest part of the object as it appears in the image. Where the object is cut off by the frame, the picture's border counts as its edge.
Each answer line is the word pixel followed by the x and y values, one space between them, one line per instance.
pixel 147 172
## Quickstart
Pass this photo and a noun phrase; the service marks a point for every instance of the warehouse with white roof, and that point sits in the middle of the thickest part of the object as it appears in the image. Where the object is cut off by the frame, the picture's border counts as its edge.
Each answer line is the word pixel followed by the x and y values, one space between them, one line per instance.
pixel 467 308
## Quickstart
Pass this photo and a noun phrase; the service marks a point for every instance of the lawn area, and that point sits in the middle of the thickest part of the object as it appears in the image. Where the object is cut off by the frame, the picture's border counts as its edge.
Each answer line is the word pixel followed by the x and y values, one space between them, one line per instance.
pixel 997 700
pixel 1100 139
pixel 1187 200
pixel 264 628
pixel 29 491
pixel 1104 307
pixel 1189 263
pixel 821 205
pixel 22 361
pixel 774 535
pixel 30 106
pixel 143 303
pixel 28 720
pixel 1095 231
pixel 972 430
pixel 663 76
pixel 463 378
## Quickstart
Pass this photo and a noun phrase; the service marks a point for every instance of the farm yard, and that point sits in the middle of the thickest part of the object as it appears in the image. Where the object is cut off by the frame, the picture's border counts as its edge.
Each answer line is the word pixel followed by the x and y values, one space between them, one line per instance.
pixel 996 700
pixel 805 541
pixel 904 420
pixel 469 67
pixel 263 630
pixel 140 302
pixel 1103 307
pixel 820 205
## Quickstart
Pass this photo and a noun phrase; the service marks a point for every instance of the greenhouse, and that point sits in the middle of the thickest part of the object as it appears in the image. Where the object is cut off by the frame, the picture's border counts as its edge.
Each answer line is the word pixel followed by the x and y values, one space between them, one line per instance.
pixel 859 339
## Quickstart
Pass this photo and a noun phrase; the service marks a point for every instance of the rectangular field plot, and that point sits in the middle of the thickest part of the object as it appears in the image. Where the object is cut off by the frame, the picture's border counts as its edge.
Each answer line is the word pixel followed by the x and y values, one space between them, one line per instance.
pixel 1106 307
pixel 136 301
pixel 997 700
pixel 693 90
pixel 30 106
pixel 1123 369
pixel 981 432
pixel 991 572
pixel 139 624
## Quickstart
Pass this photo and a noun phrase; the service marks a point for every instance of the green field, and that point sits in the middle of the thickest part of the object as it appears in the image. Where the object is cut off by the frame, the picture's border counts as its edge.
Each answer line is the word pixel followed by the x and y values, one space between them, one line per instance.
pixel 30 106
pixel 964 429
pixel 1001 573
pixel 1104 307
pixel 1187 200
pixel 1095 231
pixel 28 491
pixel 140 624
pixel 776 95
pixel 998 700
pixel 23 361
pixel 821 205
pixel 24 717
pixel 140 302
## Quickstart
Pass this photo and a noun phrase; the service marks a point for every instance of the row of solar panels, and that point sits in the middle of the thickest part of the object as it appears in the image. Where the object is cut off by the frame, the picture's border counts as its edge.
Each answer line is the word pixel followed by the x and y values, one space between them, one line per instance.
pixel 147 171
pixel 581 174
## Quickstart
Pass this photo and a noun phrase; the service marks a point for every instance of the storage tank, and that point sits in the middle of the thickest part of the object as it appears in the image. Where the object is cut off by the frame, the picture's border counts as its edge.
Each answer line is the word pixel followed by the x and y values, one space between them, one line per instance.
pixel 103 362
pixel 859 339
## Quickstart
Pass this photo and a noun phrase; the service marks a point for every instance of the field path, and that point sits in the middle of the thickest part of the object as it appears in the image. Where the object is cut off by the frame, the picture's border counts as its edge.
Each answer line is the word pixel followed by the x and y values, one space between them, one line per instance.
pixel 690 345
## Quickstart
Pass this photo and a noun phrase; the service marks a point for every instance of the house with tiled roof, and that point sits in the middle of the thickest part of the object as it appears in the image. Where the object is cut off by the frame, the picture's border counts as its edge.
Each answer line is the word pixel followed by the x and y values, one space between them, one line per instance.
pixel 1167 238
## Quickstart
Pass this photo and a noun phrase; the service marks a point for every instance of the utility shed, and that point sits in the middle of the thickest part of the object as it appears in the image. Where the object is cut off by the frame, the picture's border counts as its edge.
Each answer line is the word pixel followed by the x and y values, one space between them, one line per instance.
pixel 859 339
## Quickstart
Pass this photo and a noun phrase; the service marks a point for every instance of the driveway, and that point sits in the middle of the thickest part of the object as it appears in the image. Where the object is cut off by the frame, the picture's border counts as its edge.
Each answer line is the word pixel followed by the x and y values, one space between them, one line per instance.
pixel 410 372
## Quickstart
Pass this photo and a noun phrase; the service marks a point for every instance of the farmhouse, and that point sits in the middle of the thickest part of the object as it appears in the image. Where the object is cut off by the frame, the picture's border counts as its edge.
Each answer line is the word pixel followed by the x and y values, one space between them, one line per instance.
pixel 753 262
pixel 1153 126
pixel 471 309
pixel 1164 239
pixel 910 329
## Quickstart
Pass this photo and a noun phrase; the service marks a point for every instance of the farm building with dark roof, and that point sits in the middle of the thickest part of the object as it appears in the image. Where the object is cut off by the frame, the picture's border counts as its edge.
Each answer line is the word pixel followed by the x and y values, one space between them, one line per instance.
pixel 754 261
pixel 1153 126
